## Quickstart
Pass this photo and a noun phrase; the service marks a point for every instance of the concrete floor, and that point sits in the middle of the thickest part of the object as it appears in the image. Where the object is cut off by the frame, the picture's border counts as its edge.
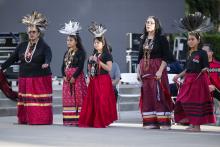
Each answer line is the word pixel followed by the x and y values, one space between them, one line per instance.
pixel 127 132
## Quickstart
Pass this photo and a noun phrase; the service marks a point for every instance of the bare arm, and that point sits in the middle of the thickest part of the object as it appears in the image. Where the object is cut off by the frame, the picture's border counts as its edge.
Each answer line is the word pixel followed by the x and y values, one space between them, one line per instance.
pixel 107 66
pixel 162 66
pixel 180 75
pixel 160 71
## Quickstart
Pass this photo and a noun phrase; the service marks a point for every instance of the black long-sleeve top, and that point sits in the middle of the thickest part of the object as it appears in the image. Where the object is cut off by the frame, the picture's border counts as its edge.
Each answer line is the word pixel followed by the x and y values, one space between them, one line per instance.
pixel 197 61
pixel 160 49
pixel 42 55
pixel 78 61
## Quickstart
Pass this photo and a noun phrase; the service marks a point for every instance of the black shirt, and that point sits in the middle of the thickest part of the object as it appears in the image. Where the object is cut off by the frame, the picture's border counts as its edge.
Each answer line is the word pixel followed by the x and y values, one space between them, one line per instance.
pixel 197 61
pixel 77 61
pixel 104 57
pixel 160 49
pixel 41 56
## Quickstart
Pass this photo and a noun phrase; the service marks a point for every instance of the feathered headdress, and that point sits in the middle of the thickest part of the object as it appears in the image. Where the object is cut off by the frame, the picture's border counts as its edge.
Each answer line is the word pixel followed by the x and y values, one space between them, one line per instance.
pixel 97 30
pixel 194 23
pixel 71 28
pixel 35 19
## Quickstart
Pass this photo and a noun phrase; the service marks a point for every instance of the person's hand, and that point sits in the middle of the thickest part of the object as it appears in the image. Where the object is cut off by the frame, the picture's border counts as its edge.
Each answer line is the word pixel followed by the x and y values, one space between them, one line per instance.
pixel 175 78
pixel 72 80
pixel 87 81
pixel 138 73
pixel 204 69
pixel 158 75
pixel 211 88
pixel 93 58
pixel 65 79
pixel 45 65
pixel 139 79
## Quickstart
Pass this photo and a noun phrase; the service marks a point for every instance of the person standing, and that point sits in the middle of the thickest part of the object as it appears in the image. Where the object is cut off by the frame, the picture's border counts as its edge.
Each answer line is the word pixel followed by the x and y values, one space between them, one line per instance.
pixel 115 74
pixel 155 102
pixel 74 84
pixel 34 81
pixel 214 76
pixel 194 104
pixel 214 71
pixel 99 106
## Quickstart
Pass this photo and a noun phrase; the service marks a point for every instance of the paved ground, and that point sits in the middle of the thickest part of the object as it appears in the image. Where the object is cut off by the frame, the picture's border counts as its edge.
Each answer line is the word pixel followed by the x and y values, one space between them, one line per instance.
pixel 125 133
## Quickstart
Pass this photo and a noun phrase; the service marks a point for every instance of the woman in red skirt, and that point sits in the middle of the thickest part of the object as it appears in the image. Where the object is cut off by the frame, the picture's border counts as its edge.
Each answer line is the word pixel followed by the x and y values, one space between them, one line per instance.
pixel 34 82
pixel 155 102
pixel 99 106
pixel 194 104
pixel 74 85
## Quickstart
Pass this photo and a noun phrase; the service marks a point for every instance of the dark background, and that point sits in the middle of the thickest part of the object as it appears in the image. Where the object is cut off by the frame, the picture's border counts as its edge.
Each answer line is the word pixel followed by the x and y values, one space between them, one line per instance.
pixel 119 16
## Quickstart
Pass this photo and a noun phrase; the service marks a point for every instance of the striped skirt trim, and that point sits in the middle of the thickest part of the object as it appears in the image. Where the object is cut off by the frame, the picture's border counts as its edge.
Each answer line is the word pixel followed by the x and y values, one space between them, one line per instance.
pixel 35 100
pixel 71 116
pixel 156 118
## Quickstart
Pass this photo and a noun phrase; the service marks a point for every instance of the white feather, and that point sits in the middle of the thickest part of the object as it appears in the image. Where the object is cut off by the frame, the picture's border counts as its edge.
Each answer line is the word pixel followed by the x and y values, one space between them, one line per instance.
pixel 71 28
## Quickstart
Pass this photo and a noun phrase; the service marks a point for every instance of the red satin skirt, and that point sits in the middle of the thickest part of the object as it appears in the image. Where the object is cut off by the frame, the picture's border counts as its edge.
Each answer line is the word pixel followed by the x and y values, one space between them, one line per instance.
pixel 99 106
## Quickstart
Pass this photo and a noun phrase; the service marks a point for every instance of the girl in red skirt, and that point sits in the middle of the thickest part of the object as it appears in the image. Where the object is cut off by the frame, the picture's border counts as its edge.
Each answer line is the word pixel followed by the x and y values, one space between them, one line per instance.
pixel 74 85
pixel 34 82
pixel 194 104
pixel 99 106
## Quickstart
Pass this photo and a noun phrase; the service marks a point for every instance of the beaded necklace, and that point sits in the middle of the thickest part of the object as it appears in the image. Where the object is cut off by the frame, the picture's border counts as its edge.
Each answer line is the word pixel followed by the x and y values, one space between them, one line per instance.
pixel 28 55
pixel 69 57
pixel 147 48
pixel 94 66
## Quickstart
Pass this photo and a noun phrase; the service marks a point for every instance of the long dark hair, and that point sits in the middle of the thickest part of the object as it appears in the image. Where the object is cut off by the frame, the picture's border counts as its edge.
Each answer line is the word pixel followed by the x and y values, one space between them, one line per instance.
pixel 158 32
pixel 79 44
pixel 158 28
pixel 105 47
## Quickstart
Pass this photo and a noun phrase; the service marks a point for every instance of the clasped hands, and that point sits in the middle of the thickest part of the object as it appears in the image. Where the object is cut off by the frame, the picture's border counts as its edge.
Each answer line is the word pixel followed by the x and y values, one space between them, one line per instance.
pixel 71 80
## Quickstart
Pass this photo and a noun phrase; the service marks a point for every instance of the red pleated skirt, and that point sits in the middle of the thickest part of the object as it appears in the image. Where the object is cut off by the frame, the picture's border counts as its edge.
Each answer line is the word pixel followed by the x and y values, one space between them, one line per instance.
pixel 194 102
pixel 99 106
pixel 73 95
pixel 35 100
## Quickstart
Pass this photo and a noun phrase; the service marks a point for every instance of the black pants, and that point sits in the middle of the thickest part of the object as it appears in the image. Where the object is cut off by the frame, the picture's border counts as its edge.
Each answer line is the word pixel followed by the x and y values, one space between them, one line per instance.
pixel 116 93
